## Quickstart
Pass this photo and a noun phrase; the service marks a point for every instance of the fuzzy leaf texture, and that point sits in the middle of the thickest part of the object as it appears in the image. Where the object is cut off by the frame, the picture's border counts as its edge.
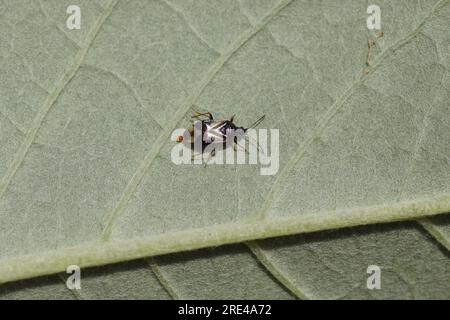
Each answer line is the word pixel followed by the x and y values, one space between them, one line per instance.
pixel 86 176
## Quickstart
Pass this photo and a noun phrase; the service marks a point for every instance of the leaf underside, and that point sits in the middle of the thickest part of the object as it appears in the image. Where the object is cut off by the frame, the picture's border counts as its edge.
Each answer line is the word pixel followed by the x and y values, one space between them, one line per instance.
pixel 85 171
pixel 323 265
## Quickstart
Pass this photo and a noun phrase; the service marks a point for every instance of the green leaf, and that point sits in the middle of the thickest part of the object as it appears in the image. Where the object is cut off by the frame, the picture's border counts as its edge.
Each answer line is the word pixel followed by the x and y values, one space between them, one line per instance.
pixel 86 118
pixel 324 265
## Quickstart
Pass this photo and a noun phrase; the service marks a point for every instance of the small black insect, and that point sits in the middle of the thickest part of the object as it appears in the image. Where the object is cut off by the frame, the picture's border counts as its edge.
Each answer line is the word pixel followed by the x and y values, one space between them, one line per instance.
pixel 214 132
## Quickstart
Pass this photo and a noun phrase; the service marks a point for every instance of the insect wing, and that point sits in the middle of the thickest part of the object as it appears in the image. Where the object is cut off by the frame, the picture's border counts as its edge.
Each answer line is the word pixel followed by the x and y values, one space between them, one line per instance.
pixel 214 132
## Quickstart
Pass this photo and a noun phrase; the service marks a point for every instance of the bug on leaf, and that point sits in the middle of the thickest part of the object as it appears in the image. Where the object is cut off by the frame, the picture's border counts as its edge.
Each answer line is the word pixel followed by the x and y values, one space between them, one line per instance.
pixel 214 132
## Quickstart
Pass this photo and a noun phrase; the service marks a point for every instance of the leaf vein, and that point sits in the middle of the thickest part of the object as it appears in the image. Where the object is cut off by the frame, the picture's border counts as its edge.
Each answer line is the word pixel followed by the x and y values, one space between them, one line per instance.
pixel 162 279
pixel 275 271
pixel 180 113
pixel 50 101
pixel 335 108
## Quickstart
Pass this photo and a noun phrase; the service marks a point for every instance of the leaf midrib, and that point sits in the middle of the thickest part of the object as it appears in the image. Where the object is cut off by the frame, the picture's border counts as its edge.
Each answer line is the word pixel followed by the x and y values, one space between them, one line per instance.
pixel 98 253
pixel 419 206
pixel 180 113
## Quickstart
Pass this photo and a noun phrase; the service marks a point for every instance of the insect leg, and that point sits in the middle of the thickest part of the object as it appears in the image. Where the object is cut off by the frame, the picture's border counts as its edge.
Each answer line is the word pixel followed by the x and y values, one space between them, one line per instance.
pixel 211 154
pixel 194 155
pixel 251 140
pixel 236 144
pixel 199 114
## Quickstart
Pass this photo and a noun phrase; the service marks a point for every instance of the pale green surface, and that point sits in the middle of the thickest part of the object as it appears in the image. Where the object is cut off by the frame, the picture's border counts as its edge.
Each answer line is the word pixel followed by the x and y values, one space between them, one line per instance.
pixel 324 265
pixel 85 118
pixel 333 264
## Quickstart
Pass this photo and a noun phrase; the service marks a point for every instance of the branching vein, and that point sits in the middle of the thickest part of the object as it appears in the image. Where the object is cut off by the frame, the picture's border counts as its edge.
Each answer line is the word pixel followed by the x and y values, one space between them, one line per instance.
pixel 50 101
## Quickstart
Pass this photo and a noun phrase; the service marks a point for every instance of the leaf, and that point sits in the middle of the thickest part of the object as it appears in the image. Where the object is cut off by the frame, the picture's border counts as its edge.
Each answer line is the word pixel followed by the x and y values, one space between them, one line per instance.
pixel 323 265
pixel 86 176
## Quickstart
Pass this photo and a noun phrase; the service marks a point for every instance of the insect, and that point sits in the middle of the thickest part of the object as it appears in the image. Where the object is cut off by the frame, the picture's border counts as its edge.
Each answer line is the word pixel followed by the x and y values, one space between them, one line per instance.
pixel 214 132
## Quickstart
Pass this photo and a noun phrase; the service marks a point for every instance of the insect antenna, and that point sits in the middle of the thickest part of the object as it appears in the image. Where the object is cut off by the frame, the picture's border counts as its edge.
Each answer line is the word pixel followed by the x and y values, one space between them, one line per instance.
pixel 255 124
